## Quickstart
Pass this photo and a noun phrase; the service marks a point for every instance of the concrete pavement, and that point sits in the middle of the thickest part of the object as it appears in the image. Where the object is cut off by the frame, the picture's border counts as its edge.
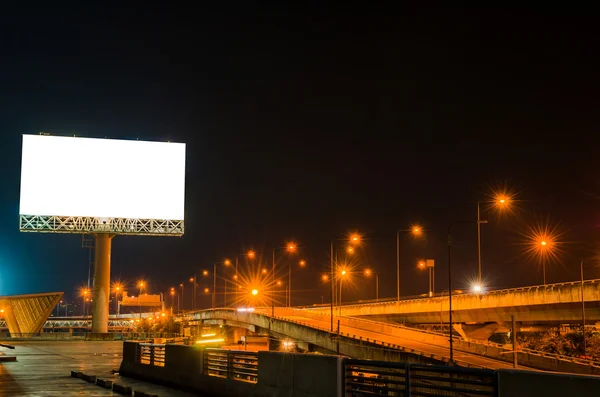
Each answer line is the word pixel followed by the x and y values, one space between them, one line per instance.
pixel 43 369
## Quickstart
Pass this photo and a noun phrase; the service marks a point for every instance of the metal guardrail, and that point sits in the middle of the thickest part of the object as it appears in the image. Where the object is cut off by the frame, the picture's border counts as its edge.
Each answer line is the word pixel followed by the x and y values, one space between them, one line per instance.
pixel 151 354
pixel 379 378
pixel 231 364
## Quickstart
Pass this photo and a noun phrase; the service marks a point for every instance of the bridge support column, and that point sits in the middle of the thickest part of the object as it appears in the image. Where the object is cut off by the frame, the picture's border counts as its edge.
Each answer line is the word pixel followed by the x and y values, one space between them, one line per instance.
pixel 101 292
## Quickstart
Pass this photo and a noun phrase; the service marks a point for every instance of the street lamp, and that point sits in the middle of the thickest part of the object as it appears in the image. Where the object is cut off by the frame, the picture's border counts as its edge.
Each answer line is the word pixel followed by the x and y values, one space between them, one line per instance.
pixel 194 282
pixel 502 202
pixel 172 292
pixel 450 285
pixel 415 231
pixel 301 263
pixel 583 308
pixel 290 248
pixel 353 238
pixel 428 264
pixel 141 285
pixel 369 273
pixel 181 285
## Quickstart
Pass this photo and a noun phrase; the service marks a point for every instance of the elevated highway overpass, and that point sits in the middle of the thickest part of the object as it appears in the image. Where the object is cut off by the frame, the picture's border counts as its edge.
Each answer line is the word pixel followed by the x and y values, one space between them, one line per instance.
pixel 362 338
pixel 550 304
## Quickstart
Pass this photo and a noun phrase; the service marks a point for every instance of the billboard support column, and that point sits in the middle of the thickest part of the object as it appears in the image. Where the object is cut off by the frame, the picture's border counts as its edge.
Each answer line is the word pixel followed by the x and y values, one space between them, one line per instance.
pixel 101 290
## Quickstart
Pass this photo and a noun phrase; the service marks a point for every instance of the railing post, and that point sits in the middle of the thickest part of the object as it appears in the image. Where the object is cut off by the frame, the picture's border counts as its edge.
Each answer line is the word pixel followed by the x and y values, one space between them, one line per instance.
pixel 151 354
pixel 229 365
pixel 407 383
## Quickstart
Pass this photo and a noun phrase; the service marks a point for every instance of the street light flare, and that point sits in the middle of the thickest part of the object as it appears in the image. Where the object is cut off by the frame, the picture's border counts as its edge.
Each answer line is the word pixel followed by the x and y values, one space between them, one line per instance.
pixel 255 292
pixel 205 272
pixel 350 250
pixel 416 230
pixel 368 272
pixel 291 247
pixel 355 238
pixel 251 254
pixel 325 277
pixel 227 262
pixel 302 263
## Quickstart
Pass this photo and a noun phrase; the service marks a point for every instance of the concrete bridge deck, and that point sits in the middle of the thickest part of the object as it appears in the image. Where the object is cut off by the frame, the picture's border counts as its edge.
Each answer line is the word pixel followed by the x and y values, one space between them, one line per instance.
pixel 553 303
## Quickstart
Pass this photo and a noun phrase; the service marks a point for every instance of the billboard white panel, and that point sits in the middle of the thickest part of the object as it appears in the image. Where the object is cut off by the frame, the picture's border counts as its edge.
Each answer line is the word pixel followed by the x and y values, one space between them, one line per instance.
pixel 105 178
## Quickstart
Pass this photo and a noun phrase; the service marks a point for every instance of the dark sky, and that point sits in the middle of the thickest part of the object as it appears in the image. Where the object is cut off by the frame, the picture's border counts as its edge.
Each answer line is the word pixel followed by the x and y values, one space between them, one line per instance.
pixel 305 124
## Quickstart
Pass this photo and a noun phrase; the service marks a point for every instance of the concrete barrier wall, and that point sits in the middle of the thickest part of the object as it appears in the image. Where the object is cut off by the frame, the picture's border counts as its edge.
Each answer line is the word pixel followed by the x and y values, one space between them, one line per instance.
pixel 284 374
pixel 279 374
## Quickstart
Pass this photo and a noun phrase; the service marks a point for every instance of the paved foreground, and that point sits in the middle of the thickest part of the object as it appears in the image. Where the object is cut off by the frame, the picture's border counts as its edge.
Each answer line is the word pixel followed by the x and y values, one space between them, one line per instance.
pixel 44 369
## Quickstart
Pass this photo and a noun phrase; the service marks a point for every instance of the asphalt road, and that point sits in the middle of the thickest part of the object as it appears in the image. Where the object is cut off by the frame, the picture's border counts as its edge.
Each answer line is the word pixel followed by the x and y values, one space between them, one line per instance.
pixel 424 345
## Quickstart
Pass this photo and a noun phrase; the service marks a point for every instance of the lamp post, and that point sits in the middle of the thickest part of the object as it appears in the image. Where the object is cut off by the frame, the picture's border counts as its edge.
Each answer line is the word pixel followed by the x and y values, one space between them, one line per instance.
pixel 194 280
pixel 501 201
pixel 450 285
pixel 141 285
pixel 416 231
pixel 582 309
pixel 172 292
pixel 479 222
pixel 290 247
pixel 429 264
pixel 301 263
pixel 353 239
pixel 181 285
pixel 368 273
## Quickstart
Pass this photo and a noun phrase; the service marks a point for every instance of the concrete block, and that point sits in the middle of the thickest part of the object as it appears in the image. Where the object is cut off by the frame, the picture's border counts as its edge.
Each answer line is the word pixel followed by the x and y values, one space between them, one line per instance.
pixel 88 378
pixel 138 393
pixel 122 389
pixel 107 384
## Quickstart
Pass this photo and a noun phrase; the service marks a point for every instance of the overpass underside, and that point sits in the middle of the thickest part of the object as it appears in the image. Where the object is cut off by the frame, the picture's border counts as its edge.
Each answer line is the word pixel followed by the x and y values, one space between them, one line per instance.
pixel 26 314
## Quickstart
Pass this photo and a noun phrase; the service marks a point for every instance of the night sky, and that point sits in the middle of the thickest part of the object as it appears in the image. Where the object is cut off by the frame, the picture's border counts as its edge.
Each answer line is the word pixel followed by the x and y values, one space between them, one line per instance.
pixel 305 124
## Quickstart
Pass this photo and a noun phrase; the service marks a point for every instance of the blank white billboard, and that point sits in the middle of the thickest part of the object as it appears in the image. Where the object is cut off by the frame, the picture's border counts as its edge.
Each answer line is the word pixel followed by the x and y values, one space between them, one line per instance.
pixel 105 178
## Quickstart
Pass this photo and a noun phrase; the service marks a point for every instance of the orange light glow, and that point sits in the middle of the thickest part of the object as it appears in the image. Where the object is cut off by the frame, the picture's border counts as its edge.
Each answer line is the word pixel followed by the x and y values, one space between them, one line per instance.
pixel 254 292
pixel 325 277
pixel 350 250
pixel 227 262
pixel 291 247
pixel 302 263
pixel 251 254
pixel 205 272
pixel 355 238
pixel 206 290
pixel 416 230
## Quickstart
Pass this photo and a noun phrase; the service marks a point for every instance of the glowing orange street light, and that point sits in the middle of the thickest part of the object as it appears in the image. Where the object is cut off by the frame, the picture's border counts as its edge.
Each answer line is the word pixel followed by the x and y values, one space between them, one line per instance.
pixel 350 250
pixel 369 273
pixel 325 277
pixel 416 230
pixel 227 262
pixel 291 247
pixel 279 283
pixel 206 290
pixel 302 263
pixel 254 292
pixel 205 272
pixel 251 254
pixel 355 238
pixel 264 271
pixel 343 272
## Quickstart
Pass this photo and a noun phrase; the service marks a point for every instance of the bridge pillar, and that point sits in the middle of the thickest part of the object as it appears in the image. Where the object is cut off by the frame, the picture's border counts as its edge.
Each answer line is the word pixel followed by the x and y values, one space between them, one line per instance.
pixel 101 292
